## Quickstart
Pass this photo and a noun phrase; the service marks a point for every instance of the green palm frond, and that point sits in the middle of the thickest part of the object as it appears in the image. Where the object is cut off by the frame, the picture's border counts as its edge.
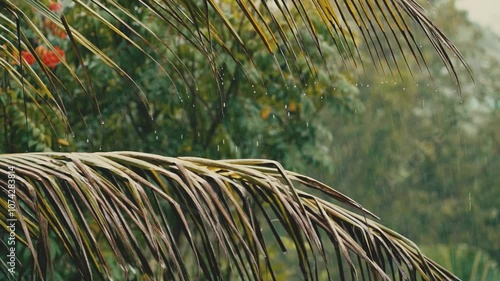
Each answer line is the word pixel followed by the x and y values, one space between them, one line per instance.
pixel 387 28
pixel 148 212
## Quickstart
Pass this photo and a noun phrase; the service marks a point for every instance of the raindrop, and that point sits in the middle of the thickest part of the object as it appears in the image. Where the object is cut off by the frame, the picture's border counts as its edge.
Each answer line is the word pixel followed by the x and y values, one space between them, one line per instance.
pixel 288 113
pixel 102 122
pixel 87 140
pixel 295 86
pixel 182 136
pixel 368 86
pixel 417 84
pixel 73 135
pixel 404 89
pixel 257 143
pixel 223 141
pixel 217 147
pixel 307 124
pixel 273 116
pixel 156 137
pixel 470 202
pixel 224 105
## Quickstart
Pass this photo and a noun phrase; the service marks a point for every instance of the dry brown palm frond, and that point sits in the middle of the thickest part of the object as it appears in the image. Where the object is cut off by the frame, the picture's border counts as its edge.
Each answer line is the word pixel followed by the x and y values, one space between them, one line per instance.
pixel 192 218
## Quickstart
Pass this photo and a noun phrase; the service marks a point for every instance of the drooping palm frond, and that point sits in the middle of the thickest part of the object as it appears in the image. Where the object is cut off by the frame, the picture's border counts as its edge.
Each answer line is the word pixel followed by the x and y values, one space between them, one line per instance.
pixel 388 29
pixel 149 213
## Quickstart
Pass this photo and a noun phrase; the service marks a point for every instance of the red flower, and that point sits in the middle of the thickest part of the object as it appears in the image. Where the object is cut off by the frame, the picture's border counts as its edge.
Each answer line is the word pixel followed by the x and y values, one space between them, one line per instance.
pixel 28 57
pixel 55 6
pixel 51 59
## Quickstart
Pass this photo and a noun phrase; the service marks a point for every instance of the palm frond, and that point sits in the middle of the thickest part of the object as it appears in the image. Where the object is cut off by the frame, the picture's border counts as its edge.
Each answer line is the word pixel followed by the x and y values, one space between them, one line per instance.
pixel 388 28
pixel 192 219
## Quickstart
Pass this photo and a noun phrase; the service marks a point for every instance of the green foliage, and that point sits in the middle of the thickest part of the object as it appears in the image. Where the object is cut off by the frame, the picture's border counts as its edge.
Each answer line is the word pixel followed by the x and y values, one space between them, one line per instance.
pixel 422 156
pixel 238 110
pixel 20 130
pixel 467 263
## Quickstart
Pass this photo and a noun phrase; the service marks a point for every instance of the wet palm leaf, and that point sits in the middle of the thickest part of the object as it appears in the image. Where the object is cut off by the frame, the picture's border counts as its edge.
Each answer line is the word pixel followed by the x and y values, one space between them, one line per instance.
pixel 387 27
pixel 192 219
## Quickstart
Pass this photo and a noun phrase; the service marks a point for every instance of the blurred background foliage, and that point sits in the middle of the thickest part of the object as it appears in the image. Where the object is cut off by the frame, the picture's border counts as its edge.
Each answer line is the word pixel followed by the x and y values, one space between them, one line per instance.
pixel 422 156
pixel 413 150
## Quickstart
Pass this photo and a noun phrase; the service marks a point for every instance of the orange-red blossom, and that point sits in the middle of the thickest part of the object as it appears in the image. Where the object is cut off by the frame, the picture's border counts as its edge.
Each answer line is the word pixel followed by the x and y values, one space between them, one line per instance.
pixel 49 57
pixel 54 29
pixel 28 57
pixel 55 6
